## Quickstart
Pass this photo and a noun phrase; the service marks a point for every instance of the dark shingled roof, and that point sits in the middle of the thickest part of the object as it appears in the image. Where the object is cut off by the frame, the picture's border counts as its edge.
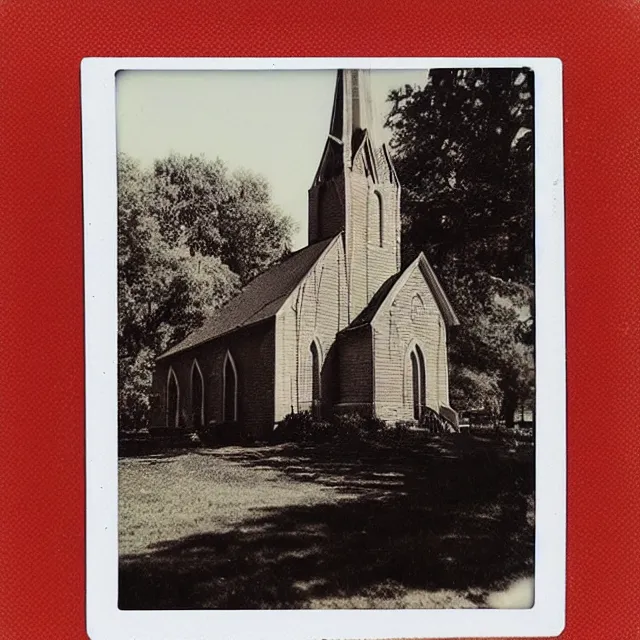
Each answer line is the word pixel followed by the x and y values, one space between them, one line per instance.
pixel 261 299
pixel 368 313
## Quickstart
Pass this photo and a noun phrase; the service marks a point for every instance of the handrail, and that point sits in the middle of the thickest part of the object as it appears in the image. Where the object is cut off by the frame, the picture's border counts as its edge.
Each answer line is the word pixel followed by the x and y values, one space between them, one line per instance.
pixel 436 422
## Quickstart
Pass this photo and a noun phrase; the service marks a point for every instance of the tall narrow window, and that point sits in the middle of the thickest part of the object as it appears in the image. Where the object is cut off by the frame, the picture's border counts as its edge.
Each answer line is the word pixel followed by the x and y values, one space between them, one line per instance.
pixel 230 384
pixel 423 379
pixel 376 225
pixel 415 378
pixel 418 379
pixel 315 379
pixel 197 396
pixel 173 399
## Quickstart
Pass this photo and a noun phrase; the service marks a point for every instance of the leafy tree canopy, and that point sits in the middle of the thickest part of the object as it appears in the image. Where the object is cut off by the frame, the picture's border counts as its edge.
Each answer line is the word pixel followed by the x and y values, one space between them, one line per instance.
pixel 198 203
pixel 463 149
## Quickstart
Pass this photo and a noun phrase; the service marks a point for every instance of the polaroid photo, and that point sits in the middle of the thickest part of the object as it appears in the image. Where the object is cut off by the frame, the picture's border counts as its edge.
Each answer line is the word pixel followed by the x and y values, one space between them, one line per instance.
pixel 325 348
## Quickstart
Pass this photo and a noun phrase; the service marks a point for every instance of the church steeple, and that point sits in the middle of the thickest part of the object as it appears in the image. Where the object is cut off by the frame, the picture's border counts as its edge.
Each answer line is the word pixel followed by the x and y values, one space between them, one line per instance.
pixel 356 190
pixel 353 107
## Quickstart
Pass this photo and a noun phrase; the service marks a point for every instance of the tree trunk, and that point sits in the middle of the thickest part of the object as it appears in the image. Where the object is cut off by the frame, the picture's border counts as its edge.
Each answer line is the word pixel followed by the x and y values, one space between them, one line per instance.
pixel 509 405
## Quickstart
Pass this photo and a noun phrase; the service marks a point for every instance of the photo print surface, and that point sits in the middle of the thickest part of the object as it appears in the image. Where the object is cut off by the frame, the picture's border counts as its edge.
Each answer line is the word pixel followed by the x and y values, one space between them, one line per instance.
pixel 326 339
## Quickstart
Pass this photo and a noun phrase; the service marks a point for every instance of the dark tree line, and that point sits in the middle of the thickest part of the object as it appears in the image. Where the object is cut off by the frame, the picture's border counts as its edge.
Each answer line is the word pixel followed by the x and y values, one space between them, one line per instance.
pixel 463 148
pixel 189 235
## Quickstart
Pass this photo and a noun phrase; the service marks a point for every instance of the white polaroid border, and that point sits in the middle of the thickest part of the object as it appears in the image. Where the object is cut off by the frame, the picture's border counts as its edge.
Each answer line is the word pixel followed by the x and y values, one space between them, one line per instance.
pixel 104 619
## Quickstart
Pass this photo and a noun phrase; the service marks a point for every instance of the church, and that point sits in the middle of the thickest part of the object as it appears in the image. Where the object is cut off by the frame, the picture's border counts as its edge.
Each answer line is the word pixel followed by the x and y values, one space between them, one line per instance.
pixel 339 326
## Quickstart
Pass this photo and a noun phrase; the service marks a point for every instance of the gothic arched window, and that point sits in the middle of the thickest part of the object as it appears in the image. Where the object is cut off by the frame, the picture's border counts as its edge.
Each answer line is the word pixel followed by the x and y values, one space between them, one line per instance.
pixel 415 379
pixel 197 396
pixel 419 380
pixel 173 399
pixel 230 390
pixel 315 378
pixel 376 220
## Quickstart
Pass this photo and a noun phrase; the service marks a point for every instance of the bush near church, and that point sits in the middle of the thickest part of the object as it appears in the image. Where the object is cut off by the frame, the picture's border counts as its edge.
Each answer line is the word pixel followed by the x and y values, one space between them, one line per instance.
pixel 345 428
pixel 222 433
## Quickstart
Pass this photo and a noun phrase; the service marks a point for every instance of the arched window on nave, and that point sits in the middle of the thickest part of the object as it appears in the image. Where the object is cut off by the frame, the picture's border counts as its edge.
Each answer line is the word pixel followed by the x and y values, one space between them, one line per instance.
pixel 173 399
pixel 230 391
pixel 197 396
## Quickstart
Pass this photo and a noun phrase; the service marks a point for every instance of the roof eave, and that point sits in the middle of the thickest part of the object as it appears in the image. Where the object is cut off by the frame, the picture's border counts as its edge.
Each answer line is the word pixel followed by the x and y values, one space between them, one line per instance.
pixel 170 352
pixel 350 328
pixel 441 297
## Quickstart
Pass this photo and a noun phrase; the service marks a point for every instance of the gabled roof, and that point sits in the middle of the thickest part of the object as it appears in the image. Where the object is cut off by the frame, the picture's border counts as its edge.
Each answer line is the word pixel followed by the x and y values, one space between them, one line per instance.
pixel 369 312
pixel 260 299
pixel 392 285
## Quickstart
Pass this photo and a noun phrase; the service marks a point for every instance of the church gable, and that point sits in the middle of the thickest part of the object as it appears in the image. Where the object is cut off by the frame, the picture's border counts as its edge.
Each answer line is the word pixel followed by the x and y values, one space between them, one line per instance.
pixel 410 344
pixel 385 296
pixel 421 274
pixel 364 161
pixel 373 162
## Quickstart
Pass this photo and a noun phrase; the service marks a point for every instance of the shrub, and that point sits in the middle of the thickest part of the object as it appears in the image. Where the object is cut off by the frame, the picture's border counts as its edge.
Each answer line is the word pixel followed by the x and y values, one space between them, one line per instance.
pixel 295 427
pixel 221 433
pixel 349 421
pixel 350 427
pixel 401 430
pixel 374 426
pixel 431 421
pixel 321 431
pixel 347 428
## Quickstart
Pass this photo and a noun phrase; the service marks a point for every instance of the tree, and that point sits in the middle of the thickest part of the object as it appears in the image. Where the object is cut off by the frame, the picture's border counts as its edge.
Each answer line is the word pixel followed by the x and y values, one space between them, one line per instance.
pixel 164 291
pixel 463 148
pixel 255 233
pixel 188 192
pixel 230 216
pixel 471 389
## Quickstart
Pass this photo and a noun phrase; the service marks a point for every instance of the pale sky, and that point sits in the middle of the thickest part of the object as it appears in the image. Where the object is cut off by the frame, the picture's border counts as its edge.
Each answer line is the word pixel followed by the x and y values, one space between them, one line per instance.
pixel 274 123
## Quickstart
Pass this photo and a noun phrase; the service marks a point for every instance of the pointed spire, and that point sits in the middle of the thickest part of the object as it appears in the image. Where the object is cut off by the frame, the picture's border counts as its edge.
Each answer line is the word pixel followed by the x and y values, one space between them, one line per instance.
pixel 353 108
pixel 337 115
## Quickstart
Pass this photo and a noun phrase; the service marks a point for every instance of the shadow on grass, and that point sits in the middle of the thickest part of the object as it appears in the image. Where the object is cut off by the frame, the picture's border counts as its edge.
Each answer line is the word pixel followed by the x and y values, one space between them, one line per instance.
pixel 428 515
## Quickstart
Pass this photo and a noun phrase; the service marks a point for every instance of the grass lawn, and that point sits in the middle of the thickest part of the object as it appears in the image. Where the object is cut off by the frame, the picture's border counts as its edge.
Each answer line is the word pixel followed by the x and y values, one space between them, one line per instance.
pixel 431 523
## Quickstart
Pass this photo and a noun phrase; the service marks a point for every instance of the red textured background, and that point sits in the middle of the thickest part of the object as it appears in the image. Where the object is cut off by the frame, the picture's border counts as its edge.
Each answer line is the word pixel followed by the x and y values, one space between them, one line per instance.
pixel 41 287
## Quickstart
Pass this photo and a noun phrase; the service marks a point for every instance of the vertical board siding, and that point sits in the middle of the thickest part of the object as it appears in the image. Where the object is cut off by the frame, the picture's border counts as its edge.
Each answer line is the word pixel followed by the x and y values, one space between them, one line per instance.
pixel 370 264
pixel 357 244
pixel 315 311
pixel 412 317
